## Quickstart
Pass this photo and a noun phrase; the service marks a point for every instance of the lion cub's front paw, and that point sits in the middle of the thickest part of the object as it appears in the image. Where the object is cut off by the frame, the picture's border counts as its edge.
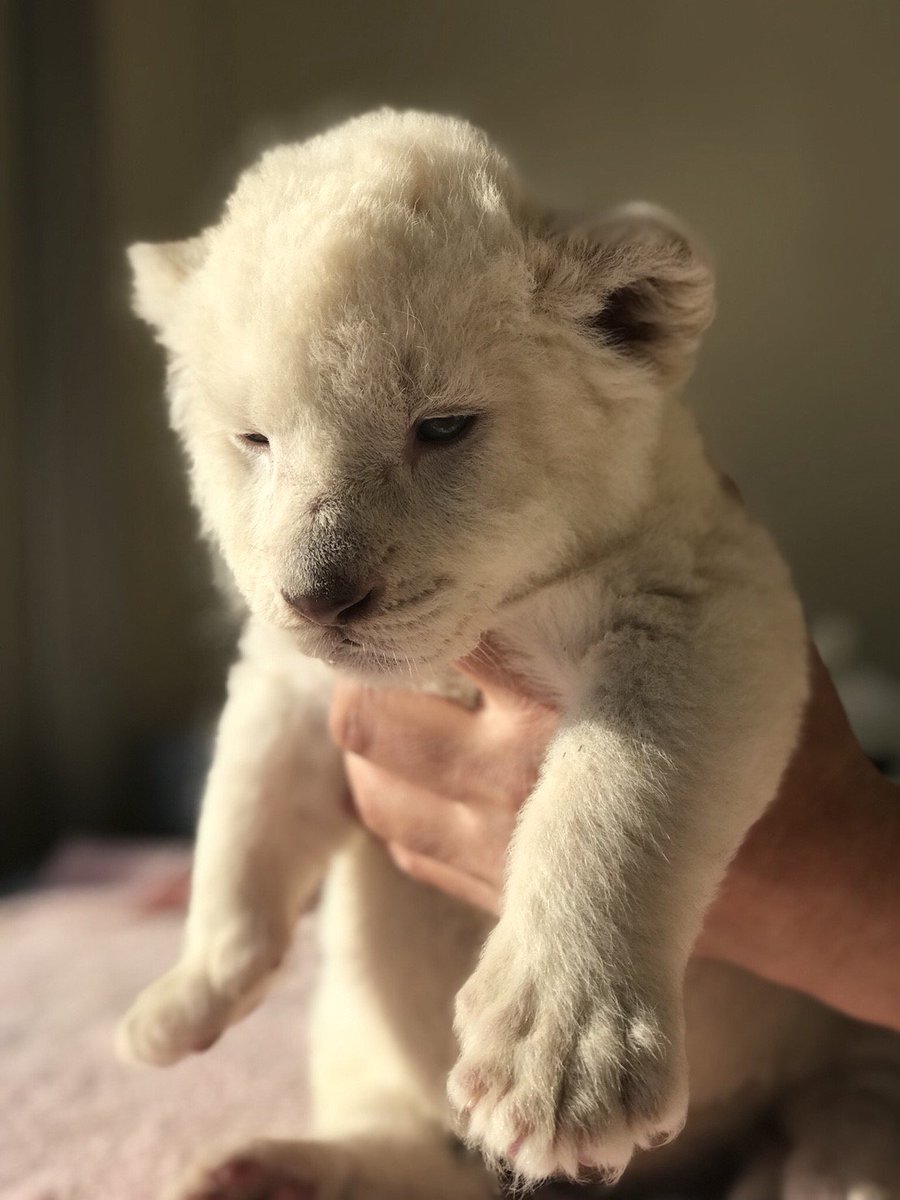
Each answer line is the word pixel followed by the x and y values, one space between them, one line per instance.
pixel 190 1007
pixel 179 1014
pixel 564 1068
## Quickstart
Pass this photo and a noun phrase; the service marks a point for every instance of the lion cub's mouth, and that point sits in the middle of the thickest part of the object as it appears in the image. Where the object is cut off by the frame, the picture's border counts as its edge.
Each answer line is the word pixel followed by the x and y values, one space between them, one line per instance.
pixel 371 660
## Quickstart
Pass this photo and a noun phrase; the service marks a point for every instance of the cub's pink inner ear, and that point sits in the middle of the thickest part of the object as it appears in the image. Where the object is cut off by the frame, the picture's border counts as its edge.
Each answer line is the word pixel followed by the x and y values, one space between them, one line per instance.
pixel 159 270
pixel 624 322
pixel 638 283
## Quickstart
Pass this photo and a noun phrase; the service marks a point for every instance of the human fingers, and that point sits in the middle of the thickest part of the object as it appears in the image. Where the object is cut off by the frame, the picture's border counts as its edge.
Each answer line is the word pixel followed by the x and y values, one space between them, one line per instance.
pixel 453 882
pixel 468 840
pixel 488 668
pixel 415 736
pixel 483 757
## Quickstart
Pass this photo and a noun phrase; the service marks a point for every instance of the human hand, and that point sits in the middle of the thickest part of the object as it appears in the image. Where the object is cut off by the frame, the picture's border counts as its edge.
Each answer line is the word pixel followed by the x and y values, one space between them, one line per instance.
pixel 440 784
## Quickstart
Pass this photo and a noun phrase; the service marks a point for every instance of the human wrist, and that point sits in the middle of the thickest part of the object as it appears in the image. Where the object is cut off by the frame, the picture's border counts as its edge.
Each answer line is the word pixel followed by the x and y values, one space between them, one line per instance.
pixel 804 903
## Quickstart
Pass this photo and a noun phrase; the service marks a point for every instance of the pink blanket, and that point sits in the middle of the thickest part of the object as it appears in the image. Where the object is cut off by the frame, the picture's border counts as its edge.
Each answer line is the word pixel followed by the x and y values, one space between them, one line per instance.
pixel 75 1124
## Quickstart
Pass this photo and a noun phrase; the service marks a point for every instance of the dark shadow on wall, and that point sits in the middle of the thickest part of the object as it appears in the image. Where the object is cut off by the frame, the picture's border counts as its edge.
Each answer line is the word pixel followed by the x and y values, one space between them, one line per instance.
pixel 78 753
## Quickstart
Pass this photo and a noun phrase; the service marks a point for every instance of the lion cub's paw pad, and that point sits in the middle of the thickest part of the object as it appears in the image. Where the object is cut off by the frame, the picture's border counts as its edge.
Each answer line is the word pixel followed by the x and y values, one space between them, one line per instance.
pixel 248 1179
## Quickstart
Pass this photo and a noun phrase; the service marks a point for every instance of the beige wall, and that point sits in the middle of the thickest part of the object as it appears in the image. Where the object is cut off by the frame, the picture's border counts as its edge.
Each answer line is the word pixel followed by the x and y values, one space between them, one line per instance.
pixel 772 127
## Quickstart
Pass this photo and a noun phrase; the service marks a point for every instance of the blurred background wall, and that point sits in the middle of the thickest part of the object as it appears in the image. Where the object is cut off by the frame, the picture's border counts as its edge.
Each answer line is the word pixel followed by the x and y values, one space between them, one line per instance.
pixel 771 127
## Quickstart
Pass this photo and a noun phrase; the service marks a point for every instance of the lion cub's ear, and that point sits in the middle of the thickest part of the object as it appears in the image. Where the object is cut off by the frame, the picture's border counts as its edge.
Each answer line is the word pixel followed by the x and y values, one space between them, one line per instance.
pixel 636 281
pixel 159 271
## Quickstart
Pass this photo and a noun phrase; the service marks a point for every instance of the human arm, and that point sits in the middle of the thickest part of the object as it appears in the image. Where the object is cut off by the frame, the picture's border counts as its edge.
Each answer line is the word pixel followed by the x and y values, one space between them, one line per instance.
pixel 812 899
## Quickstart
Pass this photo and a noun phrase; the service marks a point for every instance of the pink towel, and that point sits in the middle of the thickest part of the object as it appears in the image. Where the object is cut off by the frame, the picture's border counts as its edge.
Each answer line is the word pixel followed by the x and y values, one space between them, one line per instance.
pixel 75 1124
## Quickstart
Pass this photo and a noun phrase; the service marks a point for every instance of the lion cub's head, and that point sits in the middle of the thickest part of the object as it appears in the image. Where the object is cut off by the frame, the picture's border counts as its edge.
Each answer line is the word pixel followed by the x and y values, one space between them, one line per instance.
pixel 405 394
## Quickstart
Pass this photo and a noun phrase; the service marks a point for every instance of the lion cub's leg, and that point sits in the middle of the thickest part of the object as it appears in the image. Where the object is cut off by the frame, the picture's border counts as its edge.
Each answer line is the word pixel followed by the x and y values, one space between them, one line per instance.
pixel 272 815
pixel 381 1045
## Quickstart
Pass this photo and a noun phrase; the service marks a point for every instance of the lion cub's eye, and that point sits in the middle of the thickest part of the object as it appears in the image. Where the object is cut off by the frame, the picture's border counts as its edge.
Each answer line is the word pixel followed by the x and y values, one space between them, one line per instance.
pixel 254 439
pixel 443 429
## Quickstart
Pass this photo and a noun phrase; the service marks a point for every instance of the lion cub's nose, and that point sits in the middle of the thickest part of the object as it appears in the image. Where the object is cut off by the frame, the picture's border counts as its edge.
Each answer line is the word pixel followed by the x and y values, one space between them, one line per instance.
pixel 339 603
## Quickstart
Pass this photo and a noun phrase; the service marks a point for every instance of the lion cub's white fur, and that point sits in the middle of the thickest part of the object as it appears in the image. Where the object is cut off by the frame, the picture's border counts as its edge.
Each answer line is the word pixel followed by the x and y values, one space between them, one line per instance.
pixel 386 273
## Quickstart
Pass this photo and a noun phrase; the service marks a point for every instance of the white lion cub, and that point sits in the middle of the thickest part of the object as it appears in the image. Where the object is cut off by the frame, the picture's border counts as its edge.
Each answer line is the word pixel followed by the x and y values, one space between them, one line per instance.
pixel 418 413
